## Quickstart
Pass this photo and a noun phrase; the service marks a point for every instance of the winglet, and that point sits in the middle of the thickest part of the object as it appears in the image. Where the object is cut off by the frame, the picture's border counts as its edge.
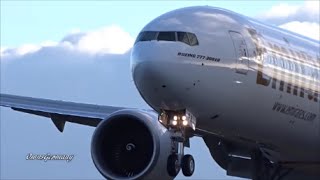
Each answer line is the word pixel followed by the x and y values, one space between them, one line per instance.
pixel 58 122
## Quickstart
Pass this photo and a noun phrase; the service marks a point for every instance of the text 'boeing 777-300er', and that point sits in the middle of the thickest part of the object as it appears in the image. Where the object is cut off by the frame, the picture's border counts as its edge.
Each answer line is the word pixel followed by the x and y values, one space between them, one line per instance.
pixel 250 90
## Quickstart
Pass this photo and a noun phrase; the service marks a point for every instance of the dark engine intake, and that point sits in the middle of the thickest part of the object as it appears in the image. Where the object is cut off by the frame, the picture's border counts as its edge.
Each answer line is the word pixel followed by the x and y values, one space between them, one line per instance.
pixel 131 144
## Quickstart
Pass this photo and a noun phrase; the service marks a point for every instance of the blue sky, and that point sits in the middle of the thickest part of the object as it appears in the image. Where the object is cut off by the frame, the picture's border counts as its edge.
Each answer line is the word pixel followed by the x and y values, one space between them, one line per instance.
pixel 36 21
pixel 53 50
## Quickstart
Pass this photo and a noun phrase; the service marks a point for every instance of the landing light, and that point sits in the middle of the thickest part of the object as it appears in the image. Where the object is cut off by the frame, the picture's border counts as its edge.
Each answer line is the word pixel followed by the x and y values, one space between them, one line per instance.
pixel 174 122
pixel 177 119
pixel 184 122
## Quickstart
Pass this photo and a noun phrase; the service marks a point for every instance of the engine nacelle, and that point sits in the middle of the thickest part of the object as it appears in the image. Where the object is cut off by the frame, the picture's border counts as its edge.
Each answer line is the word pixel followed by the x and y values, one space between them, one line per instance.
pixel 131 144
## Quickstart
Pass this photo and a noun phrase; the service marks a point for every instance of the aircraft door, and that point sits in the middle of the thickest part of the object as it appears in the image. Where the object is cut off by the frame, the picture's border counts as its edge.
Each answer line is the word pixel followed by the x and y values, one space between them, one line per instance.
pixel 241 52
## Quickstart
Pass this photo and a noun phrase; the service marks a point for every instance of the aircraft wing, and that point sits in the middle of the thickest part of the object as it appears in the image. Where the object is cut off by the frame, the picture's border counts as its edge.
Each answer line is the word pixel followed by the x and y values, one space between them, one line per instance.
pixel 59 111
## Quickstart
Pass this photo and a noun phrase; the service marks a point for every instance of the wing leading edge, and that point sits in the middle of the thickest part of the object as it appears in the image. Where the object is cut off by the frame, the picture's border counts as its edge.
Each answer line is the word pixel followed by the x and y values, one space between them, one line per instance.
pixel 59 112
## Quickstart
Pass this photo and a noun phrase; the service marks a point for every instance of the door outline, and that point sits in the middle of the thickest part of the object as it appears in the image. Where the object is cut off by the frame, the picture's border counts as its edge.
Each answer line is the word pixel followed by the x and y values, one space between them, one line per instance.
pixel 241 52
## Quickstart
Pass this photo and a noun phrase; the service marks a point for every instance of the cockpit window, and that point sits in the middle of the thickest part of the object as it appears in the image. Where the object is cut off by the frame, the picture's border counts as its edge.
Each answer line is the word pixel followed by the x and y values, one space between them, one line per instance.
pixel 147 36
pixel 167 36
pixel 184 37
pixel 193 39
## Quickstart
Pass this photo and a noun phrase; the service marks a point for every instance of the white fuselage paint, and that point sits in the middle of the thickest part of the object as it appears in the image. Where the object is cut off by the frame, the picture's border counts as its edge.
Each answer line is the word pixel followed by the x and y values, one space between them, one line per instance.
pixel 225 96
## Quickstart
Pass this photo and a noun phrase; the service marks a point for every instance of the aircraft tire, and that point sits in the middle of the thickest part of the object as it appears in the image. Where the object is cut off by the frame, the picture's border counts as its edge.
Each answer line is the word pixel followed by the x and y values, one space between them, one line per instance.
pixel 188 165
pixel 173 166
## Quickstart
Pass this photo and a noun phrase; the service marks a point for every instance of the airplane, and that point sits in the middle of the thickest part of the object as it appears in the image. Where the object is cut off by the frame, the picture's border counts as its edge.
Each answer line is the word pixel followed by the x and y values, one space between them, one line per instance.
pixel 250 90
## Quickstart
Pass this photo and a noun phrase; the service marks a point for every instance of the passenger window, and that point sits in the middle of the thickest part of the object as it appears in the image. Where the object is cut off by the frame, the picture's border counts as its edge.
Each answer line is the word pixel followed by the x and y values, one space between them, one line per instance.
pixel 182 37
pixel 292 53
pixel 284 51
pixel 193 39
pixel 271 46
pixel 303 56
pixel 296 67
pixel 277 48
pixel 167 36
pixel 298 55
pixel 309 57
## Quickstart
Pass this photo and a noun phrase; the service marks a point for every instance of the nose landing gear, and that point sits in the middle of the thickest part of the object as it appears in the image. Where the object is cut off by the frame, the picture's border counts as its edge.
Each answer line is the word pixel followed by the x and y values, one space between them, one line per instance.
pixel 173 165
pixel 188 165
pixel 182 125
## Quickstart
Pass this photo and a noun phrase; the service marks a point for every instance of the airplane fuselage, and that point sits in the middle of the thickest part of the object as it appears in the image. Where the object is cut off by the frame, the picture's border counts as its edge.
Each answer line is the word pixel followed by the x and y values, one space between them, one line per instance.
pixel 243 80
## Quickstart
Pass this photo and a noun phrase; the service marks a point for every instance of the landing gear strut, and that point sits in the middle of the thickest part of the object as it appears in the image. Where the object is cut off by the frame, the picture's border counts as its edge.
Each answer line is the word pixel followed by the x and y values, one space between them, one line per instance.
pixel 182 125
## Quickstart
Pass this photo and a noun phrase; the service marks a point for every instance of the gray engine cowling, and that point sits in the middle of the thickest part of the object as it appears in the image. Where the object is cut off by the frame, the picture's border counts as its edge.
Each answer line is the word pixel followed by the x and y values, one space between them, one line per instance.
pixel 131 144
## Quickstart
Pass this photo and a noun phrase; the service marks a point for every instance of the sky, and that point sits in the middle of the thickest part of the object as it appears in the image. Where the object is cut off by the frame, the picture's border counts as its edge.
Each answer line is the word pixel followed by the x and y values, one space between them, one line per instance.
pixel 79 51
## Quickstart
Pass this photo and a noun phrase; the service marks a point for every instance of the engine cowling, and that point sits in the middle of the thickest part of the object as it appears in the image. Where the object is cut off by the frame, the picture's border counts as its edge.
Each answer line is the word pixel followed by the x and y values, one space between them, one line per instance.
pixel 131 144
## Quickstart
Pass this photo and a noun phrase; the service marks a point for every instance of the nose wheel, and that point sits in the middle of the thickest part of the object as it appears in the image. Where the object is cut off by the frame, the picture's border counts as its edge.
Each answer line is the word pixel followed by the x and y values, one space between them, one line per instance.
pixel 187 165
pixel 173 165
pixel 182 125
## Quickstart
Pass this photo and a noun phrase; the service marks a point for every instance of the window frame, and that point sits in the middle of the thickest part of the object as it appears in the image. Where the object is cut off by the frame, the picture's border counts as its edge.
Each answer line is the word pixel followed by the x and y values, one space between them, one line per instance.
pixel 189 36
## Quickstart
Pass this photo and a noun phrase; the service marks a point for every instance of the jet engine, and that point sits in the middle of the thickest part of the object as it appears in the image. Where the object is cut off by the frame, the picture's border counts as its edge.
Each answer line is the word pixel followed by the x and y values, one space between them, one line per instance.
pixel 131 144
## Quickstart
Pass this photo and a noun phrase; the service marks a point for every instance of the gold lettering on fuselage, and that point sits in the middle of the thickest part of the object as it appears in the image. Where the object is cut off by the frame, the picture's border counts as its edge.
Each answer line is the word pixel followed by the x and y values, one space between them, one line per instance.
pixel 281 80
pixel 265 81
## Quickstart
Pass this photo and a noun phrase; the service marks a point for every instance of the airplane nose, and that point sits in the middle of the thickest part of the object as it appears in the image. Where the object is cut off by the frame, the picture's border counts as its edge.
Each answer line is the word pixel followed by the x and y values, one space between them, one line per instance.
pixel 148 74
pixel 163 78
pixel 151 62
pixel 160 71
pixel 153 76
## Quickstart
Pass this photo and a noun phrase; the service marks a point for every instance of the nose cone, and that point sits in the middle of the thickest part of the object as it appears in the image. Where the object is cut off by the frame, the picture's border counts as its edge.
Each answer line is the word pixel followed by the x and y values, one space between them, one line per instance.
pixel 147 75
pixel 157 70
pixel 161 75
pixel 147 57
pixel 151 75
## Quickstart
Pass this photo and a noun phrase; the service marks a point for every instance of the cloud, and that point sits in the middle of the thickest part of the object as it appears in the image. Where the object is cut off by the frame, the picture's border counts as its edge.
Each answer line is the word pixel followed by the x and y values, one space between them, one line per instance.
pixel 284 13
pixel 307 29
pixel 113 39
pixel 302 19
pixel 106 40
pixel 3 49
pixel 80 59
